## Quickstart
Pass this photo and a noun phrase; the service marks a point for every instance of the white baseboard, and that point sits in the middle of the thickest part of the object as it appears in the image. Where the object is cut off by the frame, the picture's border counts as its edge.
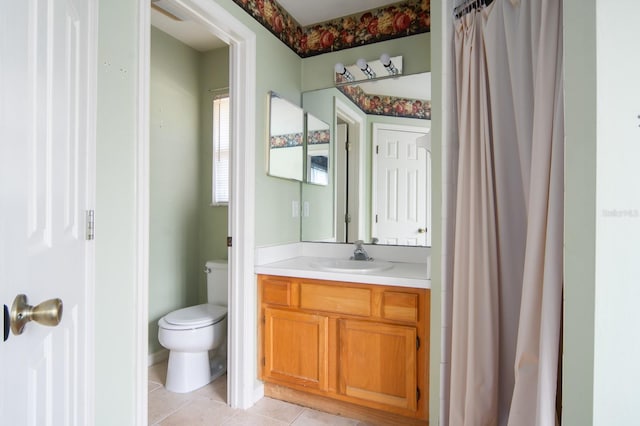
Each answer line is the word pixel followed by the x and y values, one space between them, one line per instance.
pixel 157 357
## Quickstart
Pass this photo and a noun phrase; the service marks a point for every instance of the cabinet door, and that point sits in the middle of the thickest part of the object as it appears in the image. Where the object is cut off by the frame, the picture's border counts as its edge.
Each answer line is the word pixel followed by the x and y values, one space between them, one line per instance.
pixel 296 348
pixel 378 363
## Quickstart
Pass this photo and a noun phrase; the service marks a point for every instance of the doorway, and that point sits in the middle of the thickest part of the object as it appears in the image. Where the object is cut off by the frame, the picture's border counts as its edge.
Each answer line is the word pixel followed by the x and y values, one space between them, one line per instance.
pixel 188 213
pixel 243 390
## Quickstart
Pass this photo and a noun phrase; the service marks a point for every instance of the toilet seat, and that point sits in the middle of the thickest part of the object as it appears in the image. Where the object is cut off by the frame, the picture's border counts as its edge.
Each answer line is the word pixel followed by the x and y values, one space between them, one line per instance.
pixel 193 317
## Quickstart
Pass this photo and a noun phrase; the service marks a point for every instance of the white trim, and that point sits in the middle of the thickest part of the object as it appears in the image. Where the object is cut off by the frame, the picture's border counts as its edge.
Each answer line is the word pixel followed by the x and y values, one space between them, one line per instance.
pixel 141 332
pixel 244 388
pixel 89 385
pixel 347 114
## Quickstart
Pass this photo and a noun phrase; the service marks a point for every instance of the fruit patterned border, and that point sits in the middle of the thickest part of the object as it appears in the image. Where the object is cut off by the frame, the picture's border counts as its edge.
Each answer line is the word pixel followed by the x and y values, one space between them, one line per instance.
pixel 397 20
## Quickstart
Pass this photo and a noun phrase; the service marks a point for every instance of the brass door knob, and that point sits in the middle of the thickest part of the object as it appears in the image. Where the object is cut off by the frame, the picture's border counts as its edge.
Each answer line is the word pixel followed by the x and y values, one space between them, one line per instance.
pixel 422 230
pixel 46 313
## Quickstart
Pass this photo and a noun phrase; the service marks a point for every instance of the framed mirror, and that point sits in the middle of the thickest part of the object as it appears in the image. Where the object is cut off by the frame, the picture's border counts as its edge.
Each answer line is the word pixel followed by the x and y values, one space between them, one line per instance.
pixel 286 139
pixel 381 169
pixel 318 146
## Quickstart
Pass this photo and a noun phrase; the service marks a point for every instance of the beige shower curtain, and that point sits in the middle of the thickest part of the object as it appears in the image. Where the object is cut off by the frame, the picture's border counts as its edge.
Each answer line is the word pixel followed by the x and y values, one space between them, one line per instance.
pixel 505 277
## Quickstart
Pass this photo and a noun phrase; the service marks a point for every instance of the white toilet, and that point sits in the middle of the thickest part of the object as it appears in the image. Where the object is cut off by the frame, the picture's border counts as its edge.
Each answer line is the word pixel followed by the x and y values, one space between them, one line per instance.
pixel 191 333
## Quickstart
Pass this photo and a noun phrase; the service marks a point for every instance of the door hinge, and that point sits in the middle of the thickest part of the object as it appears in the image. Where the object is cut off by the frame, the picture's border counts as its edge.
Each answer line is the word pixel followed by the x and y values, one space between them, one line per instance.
pixel 347 146
pixel 347 218
pixel 417 394
pixel 376 218
pixel 417 343
pixel 377 149
pixel 229 242
pixel 90 233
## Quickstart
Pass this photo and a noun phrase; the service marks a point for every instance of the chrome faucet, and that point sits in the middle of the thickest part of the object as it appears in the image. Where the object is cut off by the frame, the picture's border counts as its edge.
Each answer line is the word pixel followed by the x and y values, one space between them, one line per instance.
pixel 360 253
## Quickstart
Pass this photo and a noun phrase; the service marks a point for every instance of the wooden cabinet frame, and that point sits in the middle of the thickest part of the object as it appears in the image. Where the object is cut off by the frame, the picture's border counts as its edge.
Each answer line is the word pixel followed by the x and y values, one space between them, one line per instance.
pixel 354 343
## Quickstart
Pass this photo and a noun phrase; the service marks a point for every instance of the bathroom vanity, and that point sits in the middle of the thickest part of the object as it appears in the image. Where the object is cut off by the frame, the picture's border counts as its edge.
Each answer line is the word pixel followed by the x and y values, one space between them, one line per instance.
pixel 345 345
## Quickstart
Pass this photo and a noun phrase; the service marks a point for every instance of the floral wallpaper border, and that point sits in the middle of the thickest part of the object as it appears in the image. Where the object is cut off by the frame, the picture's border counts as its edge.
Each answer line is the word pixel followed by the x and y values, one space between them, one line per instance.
pixel 387 105
pixel 317 137
pixel 285 141
pixel 401 19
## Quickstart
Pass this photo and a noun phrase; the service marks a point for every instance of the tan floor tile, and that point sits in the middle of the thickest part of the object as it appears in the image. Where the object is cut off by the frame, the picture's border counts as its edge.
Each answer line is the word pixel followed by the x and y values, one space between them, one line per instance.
pixel 162 403
pixel 216 390
pixel 243 418
pixel 158 372
pixel 200 412
pixel 279 410
pixel 153 386
pixel 311 417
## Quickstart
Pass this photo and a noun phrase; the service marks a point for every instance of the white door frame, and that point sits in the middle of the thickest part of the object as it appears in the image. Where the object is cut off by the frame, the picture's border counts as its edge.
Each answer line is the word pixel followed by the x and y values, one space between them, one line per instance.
pixel 356 206
pixel 244 387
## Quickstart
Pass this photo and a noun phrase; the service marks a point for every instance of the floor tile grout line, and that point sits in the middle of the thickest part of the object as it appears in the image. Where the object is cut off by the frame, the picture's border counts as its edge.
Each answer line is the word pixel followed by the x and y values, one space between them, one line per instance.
pixel 299 414
pixel 183 405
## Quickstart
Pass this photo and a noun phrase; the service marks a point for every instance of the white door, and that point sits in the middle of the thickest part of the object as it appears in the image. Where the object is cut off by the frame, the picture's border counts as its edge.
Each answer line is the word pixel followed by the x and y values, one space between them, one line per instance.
pixel 47 139
pixel 400 196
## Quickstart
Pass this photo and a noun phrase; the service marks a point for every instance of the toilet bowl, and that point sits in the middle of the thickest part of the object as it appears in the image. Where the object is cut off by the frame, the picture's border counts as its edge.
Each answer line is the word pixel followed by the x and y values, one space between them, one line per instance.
pixel 196 338
pixel 190 334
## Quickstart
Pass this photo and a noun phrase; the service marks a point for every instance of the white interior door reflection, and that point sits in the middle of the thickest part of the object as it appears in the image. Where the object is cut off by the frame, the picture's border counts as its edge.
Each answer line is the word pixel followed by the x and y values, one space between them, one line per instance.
pixel 401 200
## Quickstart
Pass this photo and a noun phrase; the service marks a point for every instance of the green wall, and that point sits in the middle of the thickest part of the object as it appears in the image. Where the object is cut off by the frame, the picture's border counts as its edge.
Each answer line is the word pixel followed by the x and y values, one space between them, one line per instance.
pixel 580 210
pixel 317 71
pixel 185 230
pixel 116 227
pixel 174 179
pixel 213 220
pixel 278 69
pixel 439 9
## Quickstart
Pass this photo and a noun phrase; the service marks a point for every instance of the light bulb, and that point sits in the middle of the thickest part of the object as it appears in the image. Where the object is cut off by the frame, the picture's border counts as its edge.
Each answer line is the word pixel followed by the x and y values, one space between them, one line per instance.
pixel 343 72
pixel 366 69
pixel 388 65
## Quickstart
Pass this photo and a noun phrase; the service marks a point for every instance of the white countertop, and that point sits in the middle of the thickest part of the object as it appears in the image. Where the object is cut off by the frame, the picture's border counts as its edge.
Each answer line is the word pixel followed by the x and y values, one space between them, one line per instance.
pixel 403 274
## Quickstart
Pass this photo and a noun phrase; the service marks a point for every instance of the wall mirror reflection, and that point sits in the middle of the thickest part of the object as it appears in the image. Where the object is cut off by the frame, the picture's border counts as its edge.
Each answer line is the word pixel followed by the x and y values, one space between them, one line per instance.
pixel 380 192
pixel 286 139
pixel 318 145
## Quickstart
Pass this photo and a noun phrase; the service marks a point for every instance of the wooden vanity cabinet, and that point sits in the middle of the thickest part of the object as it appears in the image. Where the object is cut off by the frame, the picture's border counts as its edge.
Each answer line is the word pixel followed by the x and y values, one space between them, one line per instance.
pixel 356 343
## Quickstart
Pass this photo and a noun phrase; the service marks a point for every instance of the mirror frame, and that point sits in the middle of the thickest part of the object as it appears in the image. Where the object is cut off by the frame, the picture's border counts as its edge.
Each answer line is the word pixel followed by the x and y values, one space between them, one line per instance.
pixel 340 97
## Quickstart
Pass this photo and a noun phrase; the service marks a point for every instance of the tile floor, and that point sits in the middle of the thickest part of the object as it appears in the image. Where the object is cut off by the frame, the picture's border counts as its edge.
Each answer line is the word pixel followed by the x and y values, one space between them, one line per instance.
pixel 206 406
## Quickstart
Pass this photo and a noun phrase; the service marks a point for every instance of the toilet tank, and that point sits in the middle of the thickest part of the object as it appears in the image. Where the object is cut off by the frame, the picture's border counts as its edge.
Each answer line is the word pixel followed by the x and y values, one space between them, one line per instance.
pixel 217 282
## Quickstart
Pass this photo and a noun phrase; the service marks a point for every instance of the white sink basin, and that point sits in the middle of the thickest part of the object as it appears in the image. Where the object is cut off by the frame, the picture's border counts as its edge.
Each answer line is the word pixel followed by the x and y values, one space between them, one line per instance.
pixel 350 266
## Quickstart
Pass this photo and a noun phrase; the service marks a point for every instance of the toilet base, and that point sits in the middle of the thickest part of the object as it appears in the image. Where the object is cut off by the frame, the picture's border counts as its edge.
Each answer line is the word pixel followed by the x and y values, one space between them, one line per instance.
pixel 188 371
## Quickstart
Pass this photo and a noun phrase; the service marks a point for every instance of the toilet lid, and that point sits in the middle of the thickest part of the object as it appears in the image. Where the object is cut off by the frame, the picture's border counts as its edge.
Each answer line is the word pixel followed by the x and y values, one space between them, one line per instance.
pixel 197 316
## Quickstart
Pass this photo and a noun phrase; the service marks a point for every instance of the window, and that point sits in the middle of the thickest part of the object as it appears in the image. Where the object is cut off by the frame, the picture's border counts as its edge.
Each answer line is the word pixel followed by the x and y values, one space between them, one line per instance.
pixel 221 139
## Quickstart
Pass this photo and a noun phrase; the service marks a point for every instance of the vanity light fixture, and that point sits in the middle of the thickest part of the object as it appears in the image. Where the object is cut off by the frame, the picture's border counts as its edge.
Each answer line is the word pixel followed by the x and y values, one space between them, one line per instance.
pixel 385 59
pixel 343 72
pixel 366 69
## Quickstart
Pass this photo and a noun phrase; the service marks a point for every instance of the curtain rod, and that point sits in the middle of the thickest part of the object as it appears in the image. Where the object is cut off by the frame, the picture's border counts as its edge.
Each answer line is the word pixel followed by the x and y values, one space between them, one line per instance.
pixel 468 6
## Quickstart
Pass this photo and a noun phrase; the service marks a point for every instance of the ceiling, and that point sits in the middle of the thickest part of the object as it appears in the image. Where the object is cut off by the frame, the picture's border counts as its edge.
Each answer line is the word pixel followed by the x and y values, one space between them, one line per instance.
pixel 306 12
pixel 188 32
